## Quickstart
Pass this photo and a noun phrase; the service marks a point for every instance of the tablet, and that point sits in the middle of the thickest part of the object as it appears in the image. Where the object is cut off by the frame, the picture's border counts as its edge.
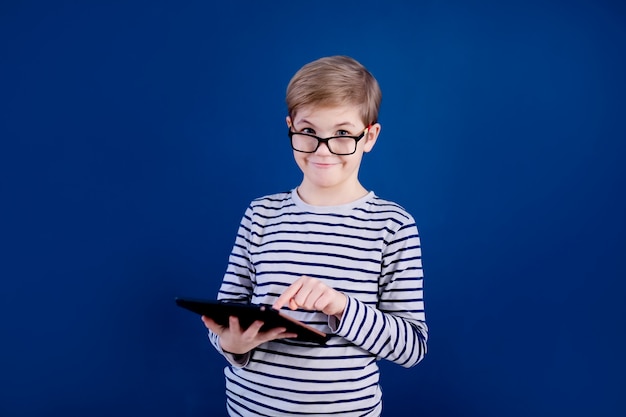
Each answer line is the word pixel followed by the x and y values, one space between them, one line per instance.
pixel 220 311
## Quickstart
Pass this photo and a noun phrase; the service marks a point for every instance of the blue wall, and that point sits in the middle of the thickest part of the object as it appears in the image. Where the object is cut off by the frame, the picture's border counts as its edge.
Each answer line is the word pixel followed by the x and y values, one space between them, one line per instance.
pixel 133 135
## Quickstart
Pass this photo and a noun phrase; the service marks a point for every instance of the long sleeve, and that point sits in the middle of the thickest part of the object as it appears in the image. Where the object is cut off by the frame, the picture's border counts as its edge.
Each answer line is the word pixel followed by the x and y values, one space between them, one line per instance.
pixel 237 284
pixel 395 329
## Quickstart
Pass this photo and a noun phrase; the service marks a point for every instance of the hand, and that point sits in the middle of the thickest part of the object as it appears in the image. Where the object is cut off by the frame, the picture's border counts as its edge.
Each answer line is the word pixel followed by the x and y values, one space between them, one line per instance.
pixel 312 294
pixel 234 339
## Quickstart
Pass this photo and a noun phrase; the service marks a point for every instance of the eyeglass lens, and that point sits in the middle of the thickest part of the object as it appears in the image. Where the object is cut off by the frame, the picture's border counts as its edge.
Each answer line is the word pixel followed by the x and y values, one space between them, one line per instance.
pixel 336 145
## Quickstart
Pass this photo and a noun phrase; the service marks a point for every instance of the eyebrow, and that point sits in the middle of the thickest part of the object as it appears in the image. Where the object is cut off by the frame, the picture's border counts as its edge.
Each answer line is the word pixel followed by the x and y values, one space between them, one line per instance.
pixel 342 124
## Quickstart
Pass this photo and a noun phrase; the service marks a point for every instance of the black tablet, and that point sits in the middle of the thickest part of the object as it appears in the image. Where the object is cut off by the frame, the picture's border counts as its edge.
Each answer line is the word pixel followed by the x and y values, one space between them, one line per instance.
pixel 220 311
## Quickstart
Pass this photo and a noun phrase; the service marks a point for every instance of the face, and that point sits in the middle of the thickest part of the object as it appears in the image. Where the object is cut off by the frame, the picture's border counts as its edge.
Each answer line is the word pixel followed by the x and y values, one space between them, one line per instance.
pixel 324 171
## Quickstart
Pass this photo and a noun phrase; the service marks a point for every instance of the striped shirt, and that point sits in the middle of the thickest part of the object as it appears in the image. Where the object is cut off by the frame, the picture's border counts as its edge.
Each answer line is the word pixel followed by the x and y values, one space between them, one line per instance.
pixel 369 250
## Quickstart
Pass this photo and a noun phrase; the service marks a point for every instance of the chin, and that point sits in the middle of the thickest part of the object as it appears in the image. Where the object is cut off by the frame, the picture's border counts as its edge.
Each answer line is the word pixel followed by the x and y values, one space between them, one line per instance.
pixel 325 184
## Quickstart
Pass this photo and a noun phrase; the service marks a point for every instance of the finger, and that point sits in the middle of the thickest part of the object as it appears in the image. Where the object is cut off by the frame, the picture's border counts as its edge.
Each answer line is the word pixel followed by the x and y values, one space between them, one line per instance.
pixel 308 297
pixel 281 333
pixel 253 329
pixel 207 321
pixel 311 291
pixel 212 325
pixel 277 333
pixel 286 335
pixel 287 295
pixel 325 303
pixel 233 324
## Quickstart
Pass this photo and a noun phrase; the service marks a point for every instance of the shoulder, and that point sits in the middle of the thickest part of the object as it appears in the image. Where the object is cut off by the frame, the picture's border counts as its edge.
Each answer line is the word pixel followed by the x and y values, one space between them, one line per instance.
pixel 271 202
pixel 387 208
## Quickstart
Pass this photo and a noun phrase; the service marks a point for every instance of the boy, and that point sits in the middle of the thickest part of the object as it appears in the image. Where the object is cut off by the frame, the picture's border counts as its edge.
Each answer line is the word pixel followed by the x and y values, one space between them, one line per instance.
pixel 340 258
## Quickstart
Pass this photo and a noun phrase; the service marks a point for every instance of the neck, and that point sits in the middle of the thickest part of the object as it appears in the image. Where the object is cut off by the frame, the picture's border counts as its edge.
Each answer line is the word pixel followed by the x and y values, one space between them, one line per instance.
pixel 330 197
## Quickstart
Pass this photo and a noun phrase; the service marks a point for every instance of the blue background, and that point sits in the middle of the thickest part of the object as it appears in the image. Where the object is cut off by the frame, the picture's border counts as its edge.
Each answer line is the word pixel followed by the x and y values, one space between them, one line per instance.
pixel 134 134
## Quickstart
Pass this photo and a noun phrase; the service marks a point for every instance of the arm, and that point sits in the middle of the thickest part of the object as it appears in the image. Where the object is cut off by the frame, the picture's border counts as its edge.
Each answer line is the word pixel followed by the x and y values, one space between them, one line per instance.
pixel 395 329
pixel 236 286
pixel 233 342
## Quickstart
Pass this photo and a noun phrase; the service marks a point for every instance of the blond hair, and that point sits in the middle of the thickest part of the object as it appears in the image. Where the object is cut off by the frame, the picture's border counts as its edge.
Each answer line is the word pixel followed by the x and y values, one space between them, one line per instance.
pixel 332 81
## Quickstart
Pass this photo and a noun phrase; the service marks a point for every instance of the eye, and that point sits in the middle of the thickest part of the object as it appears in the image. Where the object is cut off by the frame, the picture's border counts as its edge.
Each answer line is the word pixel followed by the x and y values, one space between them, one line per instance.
pixel 343 133
pixel 308 130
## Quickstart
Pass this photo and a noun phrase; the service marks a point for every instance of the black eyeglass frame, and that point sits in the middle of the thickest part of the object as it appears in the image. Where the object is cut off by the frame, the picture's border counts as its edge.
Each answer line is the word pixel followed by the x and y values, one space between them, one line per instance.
pixel 290 133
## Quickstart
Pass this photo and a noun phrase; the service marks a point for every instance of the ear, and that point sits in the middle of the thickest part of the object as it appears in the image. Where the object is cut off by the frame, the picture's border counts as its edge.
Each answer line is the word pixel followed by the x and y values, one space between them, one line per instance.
pixel 371 136
pixel 288 120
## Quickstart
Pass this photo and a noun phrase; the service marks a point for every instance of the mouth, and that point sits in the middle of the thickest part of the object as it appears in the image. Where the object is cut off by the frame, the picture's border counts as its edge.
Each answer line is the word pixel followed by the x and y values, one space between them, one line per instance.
pixel 323 164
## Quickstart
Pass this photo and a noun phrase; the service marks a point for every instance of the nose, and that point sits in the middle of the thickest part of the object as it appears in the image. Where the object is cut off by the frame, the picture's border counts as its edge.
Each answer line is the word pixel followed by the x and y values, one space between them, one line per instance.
pixel 323 149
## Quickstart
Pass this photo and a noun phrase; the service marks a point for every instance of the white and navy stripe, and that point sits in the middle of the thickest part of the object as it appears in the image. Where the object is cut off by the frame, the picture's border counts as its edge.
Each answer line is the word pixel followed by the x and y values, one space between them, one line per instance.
pixel 369 250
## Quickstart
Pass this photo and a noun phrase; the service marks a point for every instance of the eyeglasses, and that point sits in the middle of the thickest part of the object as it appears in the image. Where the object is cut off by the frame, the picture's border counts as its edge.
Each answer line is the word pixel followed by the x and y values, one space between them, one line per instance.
pixel 338 145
